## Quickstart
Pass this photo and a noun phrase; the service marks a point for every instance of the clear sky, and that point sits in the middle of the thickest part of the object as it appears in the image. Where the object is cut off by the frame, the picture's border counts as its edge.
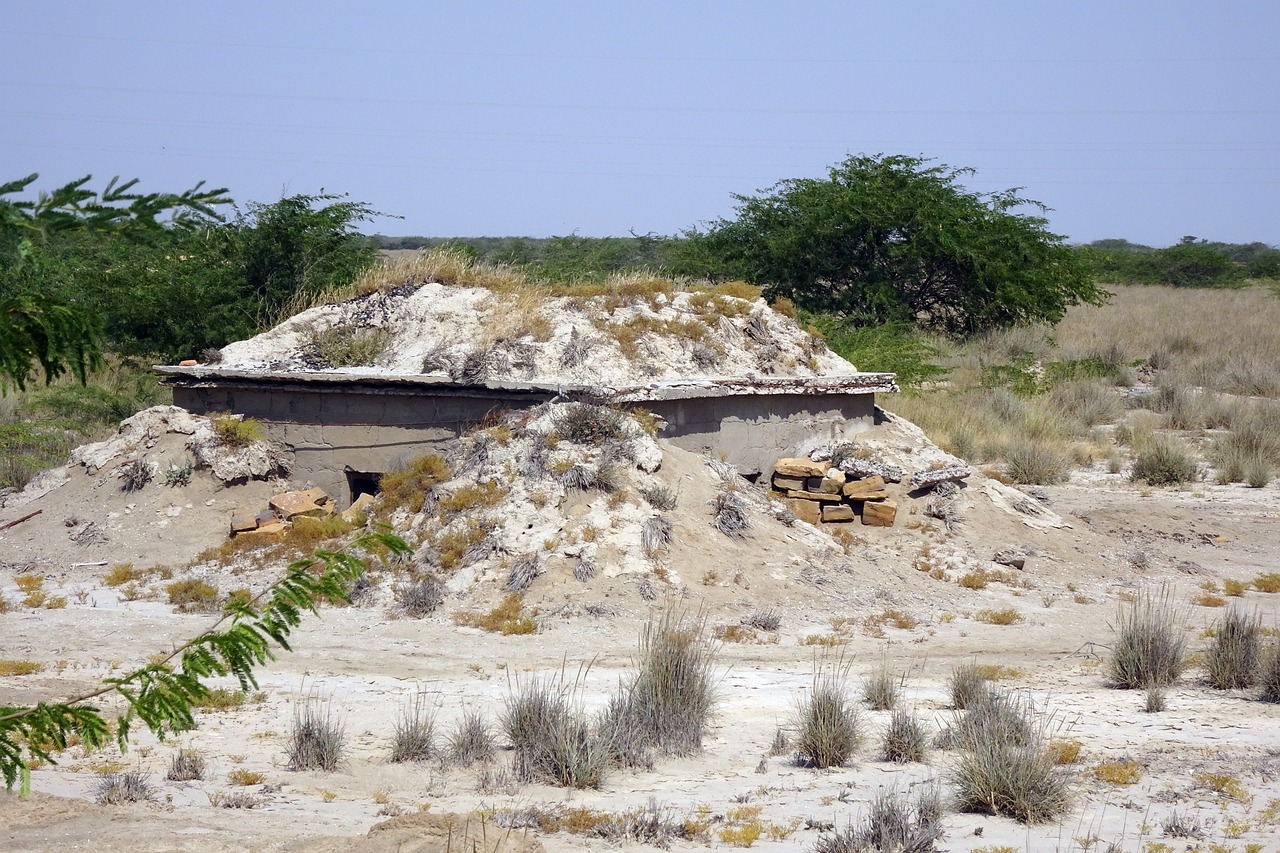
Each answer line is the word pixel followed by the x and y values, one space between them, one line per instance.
pixel 1146 120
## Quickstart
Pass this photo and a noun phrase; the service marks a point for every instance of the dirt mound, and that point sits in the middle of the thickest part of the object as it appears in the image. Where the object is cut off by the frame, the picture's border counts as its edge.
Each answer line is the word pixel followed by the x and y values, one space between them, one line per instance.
pixel 610 339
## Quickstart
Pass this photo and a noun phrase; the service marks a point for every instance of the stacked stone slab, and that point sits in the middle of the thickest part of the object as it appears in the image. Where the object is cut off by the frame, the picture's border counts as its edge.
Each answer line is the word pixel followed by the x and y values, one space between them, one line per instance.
pixel 818 493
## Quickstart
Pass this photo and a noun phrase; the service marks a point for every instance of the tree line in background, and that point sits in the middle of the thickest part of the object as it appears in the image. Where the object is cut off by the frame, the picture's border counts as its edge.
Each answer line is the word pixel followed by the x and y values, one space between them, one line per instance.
pixel 882 242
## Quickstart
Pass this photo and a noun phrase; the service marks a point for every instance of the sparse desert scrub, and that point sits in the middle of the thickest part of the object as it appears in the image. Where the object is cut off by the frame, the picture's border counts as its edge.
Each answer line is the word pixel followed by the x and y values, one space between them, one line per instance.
pixel 1003 616
pixel 236 431
pixel 1231 661
pixel 507 617
pixel 420 597
pixel 827 727
pixel 128 786
pixel 187 765
pixel 905 740
pixel 1038 463
pixel 1118 771
pixel 1150 644
pixel 19 667
pixel 1269 679
pixel 470 740
pixel 552 736
pixel 317 739
pixel 345 345
pixel 882 690
pixel 893 822
pixel 967 686
pixel 1004 765
pixel 668 704
pixel 411 487
pixel 587 423
pixel 193 595
pixel 414 738
pixel 1164 461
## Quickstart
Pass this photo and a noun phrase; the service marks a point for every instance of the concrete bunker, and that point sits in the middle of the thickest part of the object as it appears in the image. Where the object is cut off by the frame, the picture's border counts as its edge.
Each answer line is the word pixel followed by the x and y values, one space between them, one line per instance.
pixel 345 430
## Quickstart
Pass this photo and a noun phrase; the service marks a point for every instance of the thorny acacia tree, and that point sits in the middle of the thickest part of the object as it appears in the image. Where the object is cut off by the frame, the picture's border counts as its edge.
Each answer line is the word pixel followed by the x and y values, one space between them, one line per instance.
pixel 162 694
pixel 893 239
pixel 37 328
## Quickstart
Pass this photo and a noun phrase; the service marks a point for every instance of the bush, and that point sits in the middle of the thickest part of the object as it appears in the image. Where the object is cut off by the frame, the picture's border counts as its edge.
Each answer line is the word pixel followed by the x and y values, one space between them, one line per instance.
pixel 193 596
pixel 893 824
pixel 882 690
pixel 967 686
pixel 1036 463
pixel 552 738
pixel 470 740
pixel 188 765
pixel 346 346
pixel 414 738
pixel 1232 660
pixel 1164 462
pixel 827 727
pixel 412 487
pixel 135 474
pixel 420 598
pixel 1150 647
pixel 671 699
pixel 1005 765
pixel 1270 677
pixel 660 497
pixel 586 423
pixel 317 740
pixel 729 511
pixel 905 740
pixel 131 786
pixel 235 431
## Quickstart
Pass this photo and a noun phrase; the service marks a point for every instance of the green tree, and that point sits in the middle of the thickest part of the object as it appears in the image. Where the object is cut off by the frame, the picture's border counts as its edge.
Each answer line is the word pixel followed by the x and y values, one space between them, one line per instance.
pixel 163 694
pixel 895 239
pixel 39 325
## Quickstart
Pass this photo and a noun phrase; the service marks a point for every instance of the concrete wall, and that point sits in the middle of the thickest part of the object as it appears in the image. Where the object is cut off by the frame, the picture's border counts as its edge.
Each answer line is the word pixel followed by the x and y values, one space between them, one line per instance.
pixel 336 433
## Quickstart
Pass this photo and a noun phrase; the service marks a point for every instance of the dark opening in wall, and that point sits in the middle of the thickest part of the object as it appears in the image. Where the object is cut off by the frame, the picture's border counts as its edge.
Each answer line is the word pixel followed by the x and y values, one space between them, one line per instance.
pixel 362 483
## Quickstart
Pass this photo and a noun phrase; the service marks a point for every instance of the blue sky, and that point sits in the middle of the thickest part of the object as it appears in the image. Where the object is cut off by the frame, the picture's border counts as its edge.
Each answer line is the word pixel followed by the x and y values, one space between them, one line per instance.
pixel 1140 120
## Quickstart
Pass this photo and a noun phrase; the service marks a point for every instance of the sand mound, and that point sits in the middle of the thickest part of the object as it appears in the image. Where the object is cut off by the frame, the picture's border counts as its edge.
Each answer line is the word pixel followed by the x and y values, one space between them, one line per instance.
pixel 471 334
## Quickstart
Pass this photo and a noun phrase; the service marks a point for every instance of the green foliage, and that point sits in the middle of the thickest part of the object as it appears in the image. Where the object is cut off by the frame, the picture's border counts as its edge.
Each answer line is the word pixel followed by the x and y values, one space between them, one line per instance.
pixel 890 348
pixel 893 239
pixel 1189 263
pixel 164 693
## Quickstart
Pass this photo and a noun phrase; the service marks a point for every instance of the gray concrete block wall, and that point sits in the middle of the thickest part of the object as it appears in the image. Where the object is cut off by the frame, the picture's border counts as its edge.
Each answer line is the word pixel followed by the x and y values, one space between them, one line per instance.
pixel 333 432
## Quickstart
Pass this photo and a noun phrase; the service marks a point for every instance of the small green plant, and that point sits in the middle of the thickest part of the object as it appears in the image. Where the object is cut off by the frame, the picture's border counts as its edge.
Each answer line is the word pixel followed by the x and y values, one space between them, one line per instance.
pixel 235 431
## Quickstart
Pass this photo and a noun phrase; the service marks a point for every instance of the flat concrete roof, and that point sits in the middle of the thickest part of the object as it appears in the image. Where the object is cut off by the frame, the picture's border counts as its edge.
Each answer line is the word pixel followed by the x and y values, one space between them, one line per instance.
pixel 670 389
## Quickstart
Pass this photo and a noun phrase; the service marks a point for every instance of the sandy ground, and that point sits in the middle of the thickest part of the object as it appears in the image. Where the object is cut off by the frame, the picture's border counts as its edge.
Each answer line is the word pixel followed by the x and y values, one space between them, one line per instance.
pixel 1111 540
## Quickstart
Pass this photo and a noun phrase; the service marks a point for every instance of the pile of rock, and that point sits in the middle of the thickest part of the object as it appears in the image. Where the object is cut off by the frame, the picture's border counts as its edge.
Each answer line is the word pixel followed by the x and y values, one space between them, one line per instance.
pixel 283 508
pixel 815 492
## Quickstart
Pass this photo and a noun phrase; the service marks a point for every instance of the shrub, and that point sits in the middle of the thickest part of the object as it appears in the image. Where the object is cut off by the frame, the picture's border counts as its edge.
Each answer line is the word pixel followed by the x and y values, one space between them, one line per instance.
pixel 1150 647
pixel 121 574
pixel 586 423
pixel 1035 462
pixel 135 474
pixel 552 738
pixel 242 777
pixel 411 487
pixel 317 739
pixel 414 738
pixel 1232 660
pixel 522 573
pixel 507 618
pixel 660 497
pixel 178 475
pixel 967 686
pixel 1005 766
pixel 729 511
pixel 470 740
pixel 188 765
pixel 827 727
pixel 193 596
pixel 235 431
pixel 763 620
pixel 19 667
pixel 421 597
pixel 893 824
pixel 905 740
pixel 1123 771
pixel 655 535
pixel 220 699
pixel 1065 751
pixel 1005 616
pixel 1164 462
pixel 1267 582
pixel 668 704
pixel 130 786
pixel 346 345
pixel 882 690
pixel 1269 678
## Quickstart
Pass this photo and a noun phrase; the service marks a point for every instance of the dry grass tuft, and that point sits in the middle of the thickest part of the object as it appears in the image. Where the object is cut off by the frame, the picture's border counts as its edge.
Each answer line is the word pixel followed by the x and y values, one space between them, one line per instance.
pixel 507 618
pixel 1150 647
pixel 411 487
pixel 827 727
pixel 1005 616
pixel 194 596
pixel 1234 655
pixel 317 739
pixel 19 667
pixel 414 738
